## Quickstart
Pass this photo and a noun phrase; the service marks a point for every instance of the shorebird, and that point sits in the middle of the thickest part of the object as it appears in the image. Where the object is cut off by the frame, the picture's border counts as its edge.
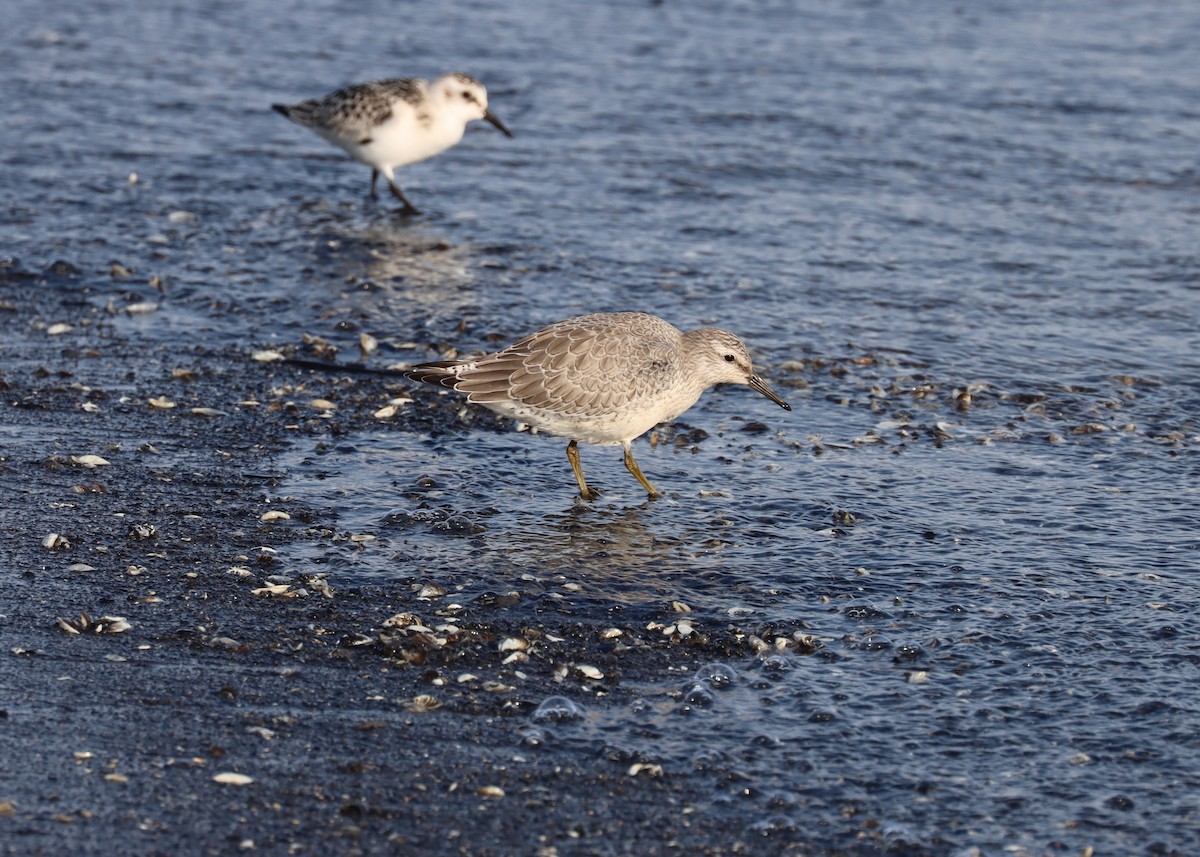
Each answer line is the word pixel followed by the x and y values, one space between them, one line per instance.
pixel 605 379
pixel 393 123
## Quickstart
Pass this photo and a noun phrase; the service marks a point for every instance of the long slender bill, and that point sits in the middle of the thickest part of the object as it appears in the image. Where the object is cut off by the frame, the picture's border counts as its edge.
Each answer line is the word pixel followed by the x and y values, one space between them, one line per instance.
pixel 759 386
pixel 495 120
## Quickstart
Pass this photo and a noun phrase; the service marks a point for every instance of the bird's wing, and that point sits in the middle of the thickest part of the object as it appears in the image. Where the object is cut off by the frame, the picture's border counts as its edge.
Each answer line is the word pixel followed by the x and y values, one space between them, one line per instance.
pixel 355 111
pixel 572 373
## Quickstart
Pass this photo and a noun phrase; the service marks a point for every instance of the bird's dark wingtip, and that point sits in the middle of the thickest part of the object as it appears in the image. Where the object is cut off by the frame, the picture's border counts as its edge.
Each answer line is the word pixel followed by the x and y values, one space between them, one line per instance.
pixel 433 373
pixel 282 109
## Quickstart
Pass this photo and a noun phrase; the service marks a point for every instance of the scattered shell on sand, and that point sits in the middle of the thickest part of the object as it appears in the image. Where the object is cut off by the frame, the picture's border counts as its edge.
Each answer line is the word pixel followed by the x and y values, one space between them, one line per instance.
pixel 276 515
pixel 208 412
pixel 392 408
pixel 86 624
pixel 431 590
pixel 230 778
pixel 367 344
pixel 589 671
pixel 162 403
pixel 59 329
pixel 267 356
pixel 490 791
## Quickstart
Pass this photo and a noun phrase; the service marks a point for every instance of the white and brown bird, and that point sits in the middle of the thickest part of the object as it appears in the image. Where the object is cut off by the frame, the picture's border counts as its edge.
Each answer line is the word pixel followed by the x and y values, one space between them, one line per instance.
pixel 393 123
pixel 605 379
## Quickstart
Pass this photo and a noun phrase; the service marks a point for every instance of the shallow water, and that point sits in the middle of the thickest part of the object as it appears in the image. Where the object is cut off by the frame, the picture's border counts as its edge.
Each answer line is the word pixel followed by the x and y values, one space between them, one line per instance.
pixel 892 203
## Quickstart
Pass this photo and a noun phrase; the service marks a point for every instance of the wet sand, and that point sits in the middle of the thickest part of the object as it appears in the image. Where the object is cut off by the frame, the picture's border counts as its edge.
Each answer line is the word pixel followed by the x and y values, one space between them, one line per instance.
pixel 358 735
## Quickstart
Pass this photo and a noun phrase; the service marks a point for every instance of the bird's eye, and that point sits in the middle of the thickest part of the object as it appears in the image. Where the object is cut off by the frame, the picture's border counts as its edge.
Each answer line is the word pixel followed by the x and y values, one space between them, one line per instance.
pixel 467 96
pixel 729 358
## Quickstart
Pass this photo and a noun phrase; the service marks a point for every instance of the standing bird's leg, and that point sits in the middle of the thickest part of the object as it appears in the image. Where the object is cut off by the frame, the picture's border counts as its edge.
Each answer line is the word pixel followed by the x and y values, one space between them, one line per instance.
pixel 409 208
pixel 573 457
pixel 632 467
pixel 374 178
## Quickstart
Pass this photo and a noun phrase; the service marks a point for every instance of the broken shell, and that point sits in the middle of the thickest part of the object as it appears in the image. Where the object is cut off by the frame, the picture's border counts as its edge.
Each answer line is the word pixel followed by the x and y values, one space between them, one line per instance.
pixel 322 405
pixel 162 403
pixel 276 515
pixel 89 461
pixel 55 541
pixel 267 356
pixel 509 644
pixel 611 633
pixel 402 620
pixel 103 625
pixel 367 343
pixel 141 308
pixel 385 413
pixel 278 590
pixel 230 778
pixel 589 671
pixel 431 590
pixel 680 607
pixel 490 791
pixel 647 768
pixel 59 329
pixel 423 702
pixel 90 407
pixel 208 412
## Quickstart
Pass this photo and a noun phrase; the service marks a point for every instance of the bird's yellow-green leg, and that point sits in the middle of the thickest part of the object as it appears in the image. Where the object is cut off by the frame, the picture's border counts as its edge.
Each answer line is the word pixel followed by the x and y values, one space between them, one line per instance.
pixel 632 467
pixel 573 457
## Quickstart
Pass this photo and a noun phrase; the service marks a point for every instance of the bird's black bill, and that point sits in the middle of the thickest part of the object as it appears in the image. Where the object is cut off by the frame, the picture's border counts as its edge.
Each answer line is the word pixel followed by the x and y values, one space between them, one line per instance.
pixel 495 120
pixel 759 386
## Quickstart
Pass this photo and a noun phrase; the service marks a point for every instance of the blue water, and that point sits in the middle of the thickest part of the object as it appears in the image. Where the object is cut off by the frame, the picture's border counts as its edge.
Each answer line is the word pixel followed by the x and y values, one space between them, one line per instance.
pixel 891 202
